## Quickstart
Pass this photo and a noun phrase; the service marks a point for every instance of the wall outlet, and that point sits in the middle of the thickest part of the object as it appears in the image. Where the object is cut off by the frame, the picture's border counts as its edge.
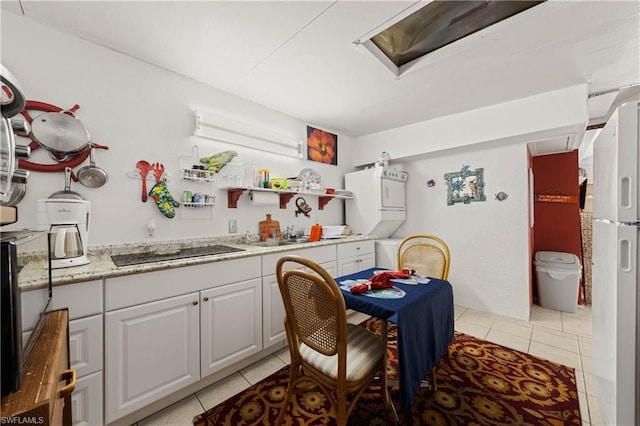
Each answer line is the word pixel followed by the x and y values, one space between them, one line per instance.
pixel 233 226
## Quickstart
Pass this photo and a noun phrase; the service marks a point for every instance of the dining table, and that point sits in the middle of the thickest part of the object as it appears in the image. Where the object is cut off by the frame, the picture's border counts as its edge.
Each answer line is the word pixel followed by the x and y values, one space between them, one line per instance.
pixel 423 314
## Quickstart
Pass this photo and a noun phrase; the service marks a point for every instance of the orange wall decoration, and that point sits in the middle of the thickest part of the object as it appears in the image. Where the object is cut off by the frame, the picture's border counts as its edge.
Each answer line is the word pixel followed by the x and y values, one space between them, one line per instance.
pixel 322 146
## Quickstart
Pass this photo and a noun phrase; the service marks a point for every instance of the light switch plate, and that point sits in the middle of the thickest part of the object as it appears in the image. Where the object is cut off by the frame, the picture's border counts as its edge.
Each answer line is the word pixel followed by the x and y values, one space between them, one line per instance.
pixel 233 226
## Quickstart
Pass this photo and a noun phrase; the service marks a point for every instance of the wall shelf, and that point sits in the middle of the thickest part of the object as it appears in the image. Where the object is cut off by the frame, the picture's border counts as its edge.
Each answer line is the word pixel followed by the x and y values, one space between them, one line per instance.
pixel 234 193
pixel 196 205
pixel 197 175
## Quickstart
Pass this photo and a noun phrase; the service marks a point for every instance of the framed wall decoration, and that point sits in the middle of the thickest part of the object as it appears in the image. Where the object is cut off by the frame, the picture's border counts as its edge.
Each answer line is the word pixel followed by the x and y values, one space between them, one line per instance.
pixel 322 146
pixel 465 186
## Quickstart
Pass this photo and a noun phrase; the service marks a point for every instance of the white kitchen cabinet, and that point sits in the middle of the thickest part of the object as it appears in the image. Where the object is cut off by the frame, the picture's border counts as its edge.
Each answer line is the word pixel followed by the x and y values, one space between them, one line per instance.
pixel 355 257
pixel 82 299
pixel 273 312
pixel 135 289
pixel 86 401
pixel 320 255
pixel 85 303
pixel 85 345
pixel 272 306
pixel 152 350
pixel 231 321
pixel 331 268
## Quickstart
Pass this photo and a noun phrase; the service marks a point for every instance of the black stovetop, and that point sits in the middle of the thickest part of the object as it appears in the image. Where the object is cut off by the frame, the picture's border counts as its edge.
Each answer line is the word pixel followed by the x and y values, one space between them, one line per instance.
pixel 140 258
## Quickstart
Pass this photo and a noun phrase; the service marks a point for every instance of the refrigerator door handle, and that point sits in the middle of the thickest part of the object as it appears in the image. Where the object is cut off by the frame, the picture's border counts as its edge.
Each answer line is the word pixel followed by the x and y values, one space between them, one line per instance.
pixel 624 255
pixel 625 196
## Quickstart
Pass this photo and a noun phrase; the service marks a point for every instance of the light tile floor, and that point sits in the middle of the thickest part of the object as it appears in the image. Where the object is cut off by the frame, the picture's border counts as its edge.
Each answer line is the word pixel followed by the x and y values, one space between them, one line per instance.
pixel 557 336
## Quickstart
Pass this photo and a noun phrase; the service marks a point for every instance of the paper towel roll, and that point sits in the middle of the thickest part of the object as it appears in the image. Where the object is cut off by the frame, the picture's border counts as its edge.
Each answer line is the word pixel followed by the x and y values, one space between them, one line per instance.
pixel 264 199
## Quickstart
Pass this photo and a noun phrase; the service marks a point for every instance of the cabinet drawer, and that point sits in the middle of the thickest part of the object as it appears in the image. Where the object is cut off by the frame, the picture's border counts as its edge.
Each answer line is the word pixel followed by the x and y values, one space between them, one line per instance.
pixel 355 248
pixel 86 401
pixel 317 254
pixel 85 345
pixel 82 300
pixel 130 290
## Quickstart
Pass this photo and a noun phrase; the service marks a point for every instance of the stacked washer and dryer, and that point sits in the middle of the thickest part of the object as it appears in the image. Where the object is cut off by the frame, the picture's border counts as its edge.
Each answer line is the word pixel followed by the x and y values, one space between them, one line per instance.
pixel 378 208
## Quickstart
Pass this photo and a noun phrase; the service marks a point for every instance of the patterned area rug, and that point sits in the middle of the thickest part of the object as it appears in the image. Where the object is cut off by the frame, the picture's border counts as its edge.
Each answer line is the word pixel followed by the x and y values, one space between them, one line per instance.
pixel 479 383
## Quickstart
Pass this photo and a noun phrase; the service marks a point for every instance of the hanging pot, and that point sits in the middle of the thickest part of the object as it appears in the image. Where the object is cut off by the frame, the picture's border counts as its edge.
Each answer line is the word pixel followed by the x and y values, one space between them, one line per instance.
pixel 67 193
pixel 92 176
pixel 15 195
pixel 12 99
pixel 62 134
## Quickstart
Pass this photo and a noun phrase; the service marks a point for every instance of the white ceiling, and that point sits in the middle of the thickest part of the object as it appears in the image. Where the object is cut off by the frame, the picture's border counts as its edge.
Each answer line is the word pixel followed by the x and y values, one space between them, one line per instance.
pixel 299 57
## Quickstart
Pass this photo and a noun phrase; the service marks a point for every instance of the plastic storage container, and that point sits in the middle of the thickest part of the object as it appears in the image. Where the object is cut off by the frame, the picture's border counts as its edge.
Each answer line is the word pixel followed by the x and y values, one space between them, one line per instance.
pixel 558 276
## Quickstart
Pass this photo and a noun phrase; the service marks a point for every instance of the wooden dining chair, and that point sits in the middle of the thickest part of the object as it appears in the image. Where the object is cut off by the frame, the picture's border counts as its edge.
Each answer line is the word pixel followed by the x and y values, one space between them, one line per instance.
pixel 342 359
pixel 428 255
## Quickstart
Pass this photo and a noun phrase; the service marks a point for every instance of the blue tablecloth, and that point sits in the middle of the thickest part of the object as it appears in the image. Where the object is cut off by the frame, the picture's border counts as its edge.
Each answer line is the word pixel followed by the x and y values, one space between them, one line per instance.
pixel 424 317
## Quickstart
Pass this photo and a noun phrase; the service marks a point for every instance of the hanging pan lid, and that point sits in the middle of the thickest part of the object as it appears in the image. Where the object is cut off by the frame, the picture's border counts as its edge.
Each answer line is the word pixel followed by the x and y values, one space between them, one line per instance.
pixel 60 132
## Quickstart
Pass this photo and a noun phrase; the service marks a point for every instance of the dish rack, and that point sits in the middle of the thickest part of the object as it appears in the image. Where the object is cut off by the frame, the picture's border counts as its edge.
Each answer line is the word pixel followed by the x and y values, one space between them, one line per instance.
pixel 328 232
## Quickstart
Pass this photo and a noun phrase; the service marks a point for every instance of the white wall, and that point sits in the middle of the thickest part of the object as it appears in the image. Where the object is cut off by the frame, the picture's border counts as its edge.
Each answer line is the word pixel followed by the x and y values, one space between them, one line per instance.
pixel 547 115
pixel 488 240
pixel 143 112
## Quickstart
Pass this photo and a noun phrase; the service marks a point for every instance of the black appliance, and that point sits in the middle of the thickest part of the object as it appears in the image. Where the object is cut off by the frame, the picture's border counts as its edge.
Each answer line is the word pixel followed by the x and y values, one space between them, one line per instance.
pixel 13 247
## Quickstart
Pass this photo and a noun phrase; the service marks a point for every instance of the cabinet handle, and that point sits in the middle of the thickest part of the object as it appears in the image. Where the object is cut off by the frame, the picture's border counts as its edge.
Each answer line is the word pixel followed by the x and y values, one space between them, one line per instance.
pixel 206 299
pixel 195 302
pixel 69 376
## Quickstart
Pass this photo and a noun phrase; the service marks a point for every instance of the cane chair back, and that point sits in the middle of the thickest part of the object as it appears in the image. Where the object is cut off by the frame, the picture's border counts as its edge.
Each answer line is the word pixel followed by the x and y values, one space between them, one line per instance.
pixel 426 254
pixel 343 359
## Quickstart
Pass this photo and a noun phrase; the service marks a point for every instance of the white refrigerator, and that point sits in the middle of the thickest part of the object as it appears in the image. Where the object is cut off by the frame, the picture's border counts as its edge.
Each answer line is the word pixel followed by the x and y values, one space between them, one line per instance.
pixel 616 258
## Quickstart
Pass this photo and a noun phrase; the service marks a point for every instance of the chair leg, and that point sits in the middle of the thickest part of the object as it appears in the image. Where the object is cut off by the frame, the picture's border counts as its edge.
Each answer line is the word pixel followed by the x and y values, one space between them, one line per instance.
pixel 293 379
pixel 341 402
pixel 434 384
pixel 389 408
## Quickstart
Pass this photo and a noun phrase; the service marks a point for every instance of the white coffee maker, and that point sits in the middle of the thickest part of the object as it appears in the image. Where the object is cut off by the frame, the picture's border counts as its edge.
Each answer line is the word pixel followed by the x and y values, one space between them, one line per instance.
pixel 67 222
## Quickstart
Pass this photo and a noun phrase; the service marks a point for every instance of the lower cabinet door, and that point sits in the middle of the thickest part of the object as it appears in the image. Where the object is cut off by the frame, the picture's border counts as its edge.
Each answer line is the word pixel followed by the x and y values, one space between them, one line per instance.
pixel 351 265
pixel 348 266
pixel 367 261
pixel 85 345
pixel 86 401
pixel 272 312
pixel 152 350
pixel 331 268
pixel 273 308
pixel 231 324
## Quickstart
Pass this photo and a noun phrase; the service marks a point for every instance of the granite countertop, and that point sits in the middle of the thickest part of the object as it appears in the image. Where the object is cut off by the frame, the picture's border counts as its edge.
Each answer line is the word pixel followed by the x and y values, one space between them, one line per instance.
pixel 34 273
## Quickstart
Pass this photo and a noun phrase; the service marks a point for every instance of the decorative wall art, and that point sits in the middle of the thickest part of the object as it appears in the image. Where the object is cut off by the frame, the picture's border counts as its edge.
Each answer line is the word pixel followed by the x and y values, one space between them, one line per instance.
pixel 322 146
pixel 465 186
